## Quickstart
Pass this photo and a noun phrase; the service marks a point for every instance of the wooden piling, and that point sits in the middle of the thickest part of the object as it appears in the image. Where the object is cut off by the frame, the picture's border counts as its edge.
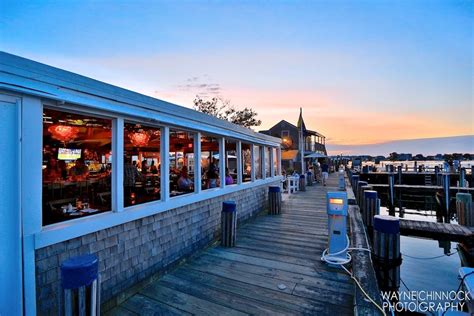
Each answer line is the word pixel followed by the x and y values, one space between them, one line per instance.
pixel 464 210
pixel 274 200
pixel 437 178
pixel 371 207
pixel 391 180
pixel 302 183
pixel 446 182
pixel 386 247
pixel 354 181
pixel 462 177
pixel 228 224
pixel 358 192
pixel 309 178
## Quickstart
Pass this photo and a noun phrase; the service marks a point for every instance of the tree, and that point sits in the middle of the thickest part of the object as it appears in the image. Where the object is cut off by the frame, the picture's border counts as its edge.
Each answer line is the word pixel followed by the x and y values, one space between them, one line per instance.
pixel 223 110
pixel 393 156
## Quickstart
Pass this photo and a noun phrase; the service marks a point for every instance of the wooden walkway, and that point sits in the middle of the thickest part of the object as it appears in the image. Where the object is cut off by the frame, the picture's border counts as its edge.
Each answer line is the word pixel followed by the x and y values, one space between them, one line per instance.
pixel 275 269
pixel 446 231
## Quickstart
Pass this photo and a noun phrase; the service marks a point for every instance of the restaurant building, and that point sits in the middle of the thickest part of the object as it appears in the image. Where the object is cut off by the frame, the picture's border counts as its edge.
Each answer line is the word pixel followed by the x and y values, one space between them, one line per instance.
pixel 88 167
pixel 297 143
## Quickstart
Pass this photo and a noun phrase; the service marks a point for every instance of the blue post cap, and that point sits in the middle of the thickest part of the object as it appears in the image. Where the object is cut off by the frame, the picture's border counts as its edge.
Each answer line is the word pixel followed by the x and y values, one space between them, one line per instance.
pixel 229 206
pixel 370 194
pixel 274 189
pixel 79 271
pixel 309 173
pixel 355 176
pixel 362 183
pixel 387 224
pixel 302 176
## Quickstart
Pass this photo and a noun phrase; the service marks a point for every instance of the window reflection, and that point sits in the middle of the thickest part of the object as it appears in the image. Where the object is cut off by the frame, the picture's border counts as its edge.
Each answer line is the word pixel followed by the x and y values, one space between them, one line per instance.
pixel 210 162
pixel 181 157
pixel 246 162
pixel 141 178
pixel 257 160
pixel 77 164
pixel 275 162
pixel 267 162
pixel 230 162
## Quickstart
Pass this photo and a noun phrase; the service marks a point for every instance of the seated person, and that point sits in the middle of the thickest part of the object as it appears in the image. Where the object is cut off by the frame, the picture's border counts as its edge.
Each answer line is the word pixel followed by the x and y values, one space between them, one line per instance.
pixel 228 178
pixel 212 177
pixel 53 171
pixel 79 170
pixel 153 168
pixel 184 182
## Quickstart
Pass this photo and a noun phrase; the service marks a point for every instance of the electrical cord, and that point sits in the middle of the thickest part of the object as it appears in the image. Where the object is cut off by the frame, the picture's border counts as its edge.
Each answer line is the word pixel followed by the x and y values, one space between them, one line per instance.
pixel 435 257
pixel 331 258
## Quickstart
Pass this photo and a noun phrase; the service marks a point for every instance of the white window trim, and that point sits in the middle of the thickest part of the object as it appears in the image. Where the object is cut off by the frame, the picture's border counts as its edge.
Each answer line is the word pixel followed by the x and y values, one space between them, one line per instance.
pixel 42 236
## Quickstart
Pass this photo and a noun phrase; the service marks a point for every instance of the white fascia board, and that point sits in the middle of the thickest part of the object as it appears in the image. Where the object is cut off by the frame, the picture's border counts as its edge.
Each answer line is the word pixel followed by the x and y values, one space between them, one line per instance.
pixel 28 70
pixel 152 116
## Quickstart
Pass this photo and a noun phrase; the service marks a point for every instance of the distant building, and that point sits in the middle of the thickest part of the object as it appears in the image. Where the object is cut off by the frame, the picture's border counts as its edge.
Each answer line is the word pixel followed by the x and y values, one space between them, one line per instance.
pixel 314 143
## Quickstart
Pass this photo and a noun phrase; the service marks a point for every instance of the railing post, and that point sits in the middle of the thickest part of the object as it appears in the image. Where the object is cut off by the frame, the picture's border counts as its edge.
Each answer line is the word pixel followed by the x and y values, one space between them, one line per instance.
pixel 228 224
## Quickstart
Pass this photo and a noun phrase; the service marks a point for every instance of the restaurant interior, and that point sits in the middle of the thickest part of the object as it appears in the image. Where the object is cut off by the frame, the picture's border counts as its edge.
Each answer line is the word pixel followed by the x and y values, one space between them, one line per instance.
pixel 77 164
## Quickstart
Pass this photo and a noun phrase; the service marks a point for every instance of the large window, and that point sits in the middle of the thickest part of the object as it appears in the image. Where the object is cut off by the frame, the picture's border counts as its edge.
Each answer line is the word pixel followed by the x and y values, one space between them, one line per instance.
pixel 267 162
pixel 257 160
pixel 77 164
pixel 141 164
pixel 230 162
pixel 210 162
pixel 181 162
pixel 246 162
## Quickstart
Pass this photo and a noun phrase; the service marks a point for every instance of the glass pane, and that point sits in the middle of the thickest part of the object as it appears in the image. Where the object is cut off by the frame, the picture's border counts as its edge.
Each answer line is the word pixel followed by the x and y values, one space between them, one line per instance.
pixel 246 162
pixel 141 164
pixel 257 160
pixel 77 165
pixel 230 162
pixel 267 162
pixel 181 162
pixel 210 162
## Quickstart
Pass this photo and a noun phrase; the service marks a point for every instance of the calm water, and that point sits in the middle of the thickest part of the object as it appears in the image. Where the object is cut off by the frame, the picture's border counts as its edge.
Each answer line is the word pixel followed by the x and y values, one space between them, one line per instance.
pixel 440 274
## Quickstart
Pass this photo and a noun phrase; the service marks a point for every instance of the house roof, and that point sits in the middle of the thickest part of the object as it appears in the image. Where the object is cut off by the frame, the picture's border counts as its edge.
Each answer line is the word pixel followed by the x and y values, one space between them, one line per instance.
pixel 26 76
pixel 289 154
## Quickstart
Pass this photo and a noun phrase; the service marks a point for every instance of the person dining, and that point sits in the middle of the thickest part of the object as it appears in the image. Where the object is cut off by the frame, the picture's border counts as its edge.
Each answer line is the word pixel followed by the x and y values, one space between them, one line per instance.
pixel 53 171
pixel 153 168
pixel 212 176
pixel 145 168
pixel 228 178
pixel 185 183
pixel 79 170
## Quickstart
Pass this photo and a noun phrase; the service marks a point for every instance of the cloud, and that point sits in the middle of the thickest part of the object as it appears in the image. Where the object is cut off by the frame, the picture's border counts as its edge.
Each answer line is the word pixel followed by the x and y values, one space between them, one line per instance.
pixel 200 86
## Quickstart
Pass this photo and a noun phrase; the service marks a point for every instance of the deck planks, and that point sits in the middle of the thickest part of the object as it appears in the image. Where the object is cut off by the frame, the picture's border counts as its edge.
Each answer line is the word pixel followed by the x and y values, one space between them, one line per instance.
pixel 270 251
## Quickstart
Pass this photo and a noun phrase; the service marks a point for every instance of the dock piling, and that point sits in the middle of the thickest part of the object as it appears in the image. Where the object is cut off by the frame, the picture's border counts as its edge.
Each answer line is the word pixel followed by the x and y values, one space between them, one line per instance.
pixel 302 183
pixel 274 200
pixel 228 224
pixel 386 246
pixel 391 180
pixel 464 210
pixel 371 207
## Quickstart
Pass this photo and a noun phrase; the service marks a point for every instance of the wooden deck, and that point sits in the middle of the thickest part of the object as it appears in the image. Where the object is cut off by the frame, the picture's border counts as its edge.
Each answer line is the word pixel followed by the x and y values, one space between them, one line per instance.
pixel 275 269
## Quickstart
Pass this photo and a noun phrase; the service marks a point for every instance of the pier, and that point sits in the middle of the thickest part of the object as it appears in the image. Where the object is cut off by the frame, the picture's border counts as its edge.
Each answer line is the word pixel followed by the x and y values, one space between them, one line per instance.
pixel 274 269
pixel 452 232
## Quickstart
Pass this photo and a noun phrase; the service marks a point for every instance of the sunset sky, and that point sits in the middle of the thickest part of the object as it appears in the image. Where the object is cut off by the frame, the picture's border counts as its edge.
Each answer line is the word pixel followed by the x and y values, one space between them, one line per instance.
pixel 363 71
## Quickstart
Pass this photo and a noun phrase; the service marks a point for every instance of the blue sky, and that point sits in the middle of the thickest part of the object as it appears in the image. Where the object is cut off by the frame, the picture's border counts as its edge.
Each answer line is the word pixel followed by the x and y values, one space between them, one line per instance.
pixel 363 71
